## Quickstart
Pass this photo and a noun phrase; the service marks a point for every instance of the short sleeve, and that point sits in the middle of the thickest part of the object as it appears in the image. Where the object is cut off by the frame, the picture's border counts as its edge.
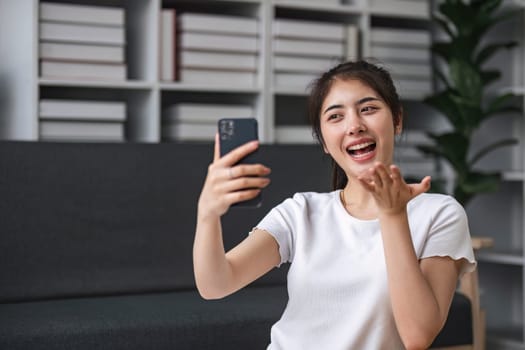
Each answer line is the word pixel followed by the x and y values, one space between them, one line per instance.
pixel 449 235
pixel 281 222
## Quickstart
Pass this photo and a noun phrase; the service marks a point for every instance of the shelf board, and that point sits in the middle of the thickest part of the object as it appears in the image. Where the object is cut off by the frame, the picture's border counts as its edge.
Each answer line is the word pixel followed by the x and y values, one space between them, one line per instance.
pixel 290 91
pixel 177 86
pixel 255 2
pixel 517 90
pixel 509 336
pixel 319 6
pixel 409 95
pixel 392 14
pixel 128 84
pixel 513 175
pixel 520 4
pixel 501 257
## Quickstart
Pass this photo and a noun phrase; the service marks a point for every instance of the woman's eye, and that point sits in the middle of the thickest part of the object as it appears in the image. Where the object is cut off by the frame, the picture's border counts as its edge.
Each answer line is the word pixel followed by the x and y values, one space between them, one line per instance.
pixel 368 109
pixel 334 116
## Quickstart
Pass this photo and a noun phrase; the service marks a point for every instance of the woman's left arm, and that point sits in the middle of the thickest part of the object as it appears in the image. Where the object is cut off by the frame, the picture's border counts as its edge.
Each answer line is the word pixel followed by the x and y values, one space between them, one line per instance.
pixel 420 290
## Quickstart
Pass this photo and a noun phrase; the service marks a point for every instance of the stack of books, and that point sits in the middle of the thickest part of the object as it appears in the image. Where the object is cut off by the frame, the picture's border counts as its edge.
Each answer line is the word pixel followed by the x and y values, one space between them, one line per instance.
pixel 412 162
pixel 325 2
pixel 406 54
pixel 81 42
pixel 209 49
pixel 418 8
pixel 294 134
pixel 81 120
pixel 198 121
pixel 303 49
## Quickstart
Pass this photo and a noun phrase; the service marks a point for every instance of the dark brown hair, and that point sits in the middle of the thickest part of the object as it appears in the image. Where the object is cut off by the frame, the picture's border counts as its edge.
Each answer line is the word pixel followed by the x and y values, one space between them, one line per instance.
pixel 367 73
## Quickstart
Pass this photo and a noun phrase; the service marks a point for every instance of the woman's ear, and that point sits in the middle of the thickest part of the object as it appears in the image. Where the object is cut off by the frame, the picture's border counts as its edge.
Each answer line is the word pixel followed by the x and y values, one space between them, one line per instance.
pixel 398 127
pixel 320 139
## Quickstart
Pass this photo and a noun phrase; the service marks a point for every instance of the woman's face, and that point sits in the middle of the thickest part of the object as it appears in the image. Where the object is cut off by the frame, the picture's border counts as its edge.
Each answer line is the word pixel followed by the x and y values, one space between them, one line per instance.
pixel 357 127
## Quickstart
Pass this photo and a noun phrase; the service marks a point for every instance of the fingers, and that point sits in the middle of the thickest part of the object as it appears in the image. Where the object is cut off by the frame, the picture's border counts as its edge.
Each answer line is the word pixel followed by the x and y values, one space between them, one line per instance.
pixel 231 190
pixel 421 187
pixel 376 177
pixel 242 177
pixel 238 153
pixel 245 183
pixel 241 196
pixel 226 185
pixel 216 149
pixel 247 170
pixel 395 174
pixel 381 176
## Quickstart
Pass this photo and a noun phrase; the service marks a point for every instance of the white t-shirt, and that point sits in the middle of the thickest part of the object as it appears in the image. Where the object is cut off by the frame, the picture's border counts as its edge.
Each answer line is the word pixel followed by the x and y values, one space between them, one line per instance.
pixel 337 281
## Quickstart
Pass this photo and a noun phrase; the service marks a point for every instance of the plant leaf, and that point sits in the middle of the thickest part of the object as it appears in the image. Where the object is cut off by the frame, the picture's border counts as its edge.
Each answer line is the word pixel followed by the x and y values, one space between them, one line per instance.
pixel 491 147
pixel 430 150
pixel 442 49
pixel 444 24
pixel 501 104
pixel 487 77
pixel 491 49
pixel 453 11
pixel 452 146
pixel 478 182
pixel 504 16
pixel 438 74
pixel 466 79
pixel 486 6
pixel 469 111
pixel 443 102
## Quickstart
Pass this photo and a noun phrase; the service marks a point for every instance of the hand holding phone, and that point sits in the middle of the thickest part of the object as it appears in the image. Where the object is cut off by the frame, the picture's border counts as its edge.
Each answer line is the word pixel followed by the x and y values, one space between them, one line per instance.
pixel 234 132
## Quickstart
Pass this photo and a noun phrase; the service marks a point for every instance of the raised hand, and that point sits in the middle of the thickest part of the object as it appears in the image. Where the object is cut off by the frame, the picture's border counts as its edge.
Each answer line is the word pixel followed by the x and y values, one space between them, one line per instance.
pixel 389 189
pixel 227 183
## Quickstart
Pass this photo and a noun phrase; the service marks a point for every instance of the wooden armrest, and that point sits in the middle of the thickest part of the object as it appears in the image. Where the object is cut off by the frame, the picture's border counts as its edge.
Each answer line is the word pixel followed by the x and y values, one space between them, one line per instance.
pixel 482 242
pixel 469 281
pixel 469 286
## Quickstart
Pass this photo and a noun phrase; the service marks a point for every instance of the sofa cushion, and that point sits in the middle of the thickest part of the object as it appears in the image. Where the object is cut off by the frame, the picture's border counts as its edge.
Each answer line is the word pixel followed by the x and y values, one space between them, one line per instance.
pixel 171 321
pixel 458 328
pixel 84 219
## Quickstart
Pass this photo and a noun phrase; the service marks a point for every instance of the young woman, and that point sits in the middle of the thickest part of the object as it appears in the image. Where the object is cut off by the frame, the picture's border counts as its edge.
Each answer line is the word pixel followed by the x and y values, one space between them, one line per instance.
pixel 374 264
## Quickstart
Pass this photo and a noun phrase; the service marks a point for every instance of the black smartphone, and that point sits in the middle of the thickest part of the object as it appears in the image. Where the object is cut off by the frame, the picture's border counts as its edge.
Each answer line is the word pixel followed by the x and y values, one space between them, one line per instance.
pixel 234 132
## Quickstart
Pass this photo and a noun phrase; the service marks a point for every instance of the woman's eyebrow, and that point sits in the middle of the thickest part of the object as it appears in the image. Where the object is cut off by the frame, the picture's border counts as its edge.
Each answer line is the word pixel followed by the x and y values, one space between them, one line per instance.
pixel 359 102
pixel 367 99
pixel 332 107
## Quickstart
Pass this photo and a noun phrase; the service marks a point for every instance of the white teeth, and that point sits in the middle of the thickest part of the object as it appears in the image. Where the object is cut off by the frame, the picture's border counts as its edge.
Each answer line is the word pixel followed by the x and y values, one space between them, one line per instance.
pixel 359 146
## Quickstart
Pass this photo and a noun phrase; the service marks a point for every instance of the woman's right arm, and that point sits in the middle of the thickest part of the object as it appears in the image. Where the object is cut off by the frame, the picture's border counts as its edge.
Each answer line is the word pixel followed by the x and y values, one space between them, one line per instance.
pixel 218 273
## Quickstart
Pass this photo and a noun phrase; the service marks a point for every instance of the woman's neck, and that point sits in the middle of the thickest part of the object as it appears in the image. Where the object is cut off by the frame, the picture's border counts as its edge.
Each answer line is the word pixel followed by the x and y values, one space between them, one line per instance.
pixel 358 202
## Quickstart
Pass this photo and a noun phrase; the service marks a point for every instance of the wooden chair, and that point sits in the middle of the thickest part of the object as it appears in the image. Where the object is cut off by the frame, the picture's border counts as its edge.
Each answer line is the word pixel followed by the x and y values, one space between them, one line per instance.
pixel 469 286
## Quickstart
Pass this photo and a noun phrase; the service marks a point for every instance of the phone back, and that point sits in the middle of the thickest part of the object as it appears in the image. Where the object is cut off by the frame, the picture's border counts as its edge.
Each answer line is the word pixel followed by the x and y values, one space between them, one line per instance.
pixel 234 132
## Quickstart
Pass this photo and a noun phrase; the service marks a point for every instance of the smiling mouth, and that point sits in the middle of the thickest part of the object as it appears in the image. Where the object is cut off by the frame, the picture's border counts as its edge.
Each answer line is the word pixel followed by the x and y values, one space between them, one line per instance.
pixel 361 149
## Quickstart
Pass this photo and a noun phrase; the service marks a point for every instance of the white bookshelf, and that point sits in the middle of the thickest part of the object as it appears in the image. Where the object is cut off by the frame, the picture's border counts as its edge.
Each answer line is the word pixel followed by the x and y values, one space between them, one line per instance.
pixel 501 215
pixel 145 94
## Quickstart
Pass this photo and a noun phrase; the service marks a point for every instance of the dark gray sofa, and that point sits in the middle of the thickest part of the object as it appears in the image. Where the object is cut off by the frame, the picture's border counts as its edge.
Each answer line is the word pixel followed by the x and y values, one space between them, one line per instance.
pixel 96 244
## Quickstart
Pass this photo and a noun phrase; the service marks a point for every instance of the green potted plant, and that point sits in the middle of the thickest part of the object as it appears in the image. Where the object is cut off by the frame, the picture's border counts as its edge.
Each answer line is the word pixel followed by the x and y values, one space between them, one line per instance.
pixel 463 100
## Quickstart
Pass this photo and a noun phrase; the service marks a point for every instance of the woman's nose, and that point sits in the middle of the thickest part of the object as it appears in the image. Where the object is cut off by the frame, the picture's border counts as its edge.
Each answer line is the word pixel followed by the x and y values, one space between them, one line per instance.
pixel 354 125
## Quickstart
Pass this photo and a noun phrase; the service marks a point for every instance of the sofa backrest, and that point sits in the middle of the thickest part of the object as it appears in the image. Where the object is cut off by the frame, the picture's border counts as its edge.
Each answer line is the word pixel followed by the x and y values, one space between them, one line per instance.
pixel 81 219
